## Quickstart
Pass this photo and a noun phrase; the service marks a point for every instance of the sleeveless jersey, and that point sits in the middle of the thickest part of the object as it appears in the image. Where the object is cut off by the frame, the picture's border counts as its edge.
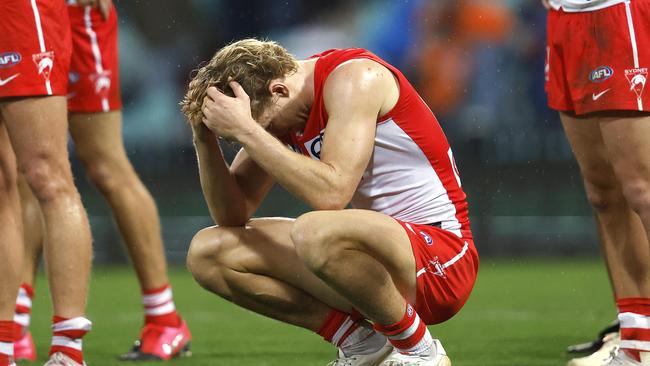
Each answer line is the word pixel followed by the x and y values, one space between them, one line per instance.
pixel 411 175
pixel 573 6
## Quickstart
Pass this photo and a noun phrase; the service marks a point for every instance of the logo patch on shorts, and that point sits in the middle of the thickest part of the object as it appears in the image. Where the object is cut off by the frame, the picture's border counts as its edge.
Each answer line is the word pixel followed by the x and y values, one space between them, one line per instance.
pixel 427 238
pixel 601 74
pixel 9 59
pixel 637 79
pixel 44 62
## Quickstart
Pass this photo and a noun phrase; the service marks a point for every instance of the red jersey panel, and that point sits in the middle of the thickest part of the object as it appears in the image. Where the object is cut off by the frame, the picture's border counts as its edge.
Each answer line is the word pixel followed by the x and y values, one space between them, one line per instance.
pixel 34 47
pixel 94 69
pixel 598 60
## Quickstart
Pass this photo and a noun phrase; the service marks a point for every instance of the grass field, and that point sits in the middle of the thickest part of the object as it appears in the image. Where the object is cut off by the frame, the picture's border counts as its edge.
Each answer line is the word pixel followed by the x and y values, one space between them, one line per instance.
pixel 522 312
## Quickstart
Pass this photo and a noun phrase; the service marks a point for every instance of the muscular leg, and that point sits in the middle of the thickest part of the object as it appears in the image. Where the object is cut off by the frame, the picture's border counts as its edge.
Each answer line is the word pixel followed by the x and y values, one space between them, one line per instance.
pixel 98 141
pixel 257 267
pixel 38 130
pixel 627 137
pixel 364 255
pixel 10 226
pixel 32 231
pixel 622 234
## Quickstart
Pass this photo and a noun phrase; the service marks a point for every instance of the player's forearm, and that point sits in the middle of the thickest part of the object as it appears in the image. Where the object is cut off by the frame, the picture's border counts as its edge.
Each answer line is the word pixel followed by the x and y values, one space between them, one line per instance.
pixel 225 200
pixel 314 182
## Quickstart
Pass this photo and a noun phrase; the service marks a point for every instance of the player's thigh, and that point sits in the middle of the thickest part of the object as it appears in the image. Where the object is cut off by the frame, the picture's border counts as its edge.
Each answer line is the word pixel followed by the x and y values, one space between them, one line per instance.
pixel 584 135
pixel 371 232
pixel 38 129
pixel 262 247
pixel 7 161
pixel 98 138
pixel 627 137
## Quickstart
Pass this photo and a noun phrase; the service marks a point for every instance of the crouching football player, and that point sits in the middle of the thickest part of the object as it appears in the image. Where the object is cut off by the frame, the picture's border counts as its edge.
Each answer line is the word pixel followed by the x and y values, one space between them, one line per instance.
pixel 367 279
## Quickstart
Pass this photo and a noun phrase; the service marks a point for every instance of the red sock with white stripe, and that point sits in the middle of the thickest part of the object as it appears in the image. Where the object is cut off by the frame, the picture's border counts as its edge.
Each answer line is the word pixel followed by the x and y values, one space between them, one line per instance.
pixel 22 317
pixel 351 333
pixel 159 307
pixel 67 336
pixel 410 335
pixel 6 342
pixel 634 316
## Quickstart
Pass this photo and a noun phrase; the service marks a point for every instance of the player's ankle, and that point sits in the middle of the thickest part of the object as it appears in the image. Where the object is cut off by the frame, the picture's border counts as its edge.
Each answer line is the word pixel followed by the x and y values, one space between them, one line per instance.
pixel 409 335
pixel 67 336
pixel 159 307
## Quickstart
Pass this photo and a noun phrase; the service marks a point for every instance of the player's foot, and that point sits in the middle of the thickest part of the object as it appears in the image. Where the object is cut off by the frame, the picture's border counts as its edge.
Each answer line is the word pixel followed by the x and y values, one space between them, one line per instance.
pixel 60 359
pixel 371 359
pixel 24 348
pixel 620 358
pixel 434 356
pixel 595 345
pixel 159 342
pixel 599 358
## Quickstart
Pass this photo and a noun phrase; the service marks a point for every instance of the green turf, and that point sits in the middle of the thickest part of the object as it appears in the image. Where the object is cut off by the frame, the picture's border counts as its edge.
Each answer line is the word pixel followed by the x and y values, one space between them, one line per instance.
pixel 522 312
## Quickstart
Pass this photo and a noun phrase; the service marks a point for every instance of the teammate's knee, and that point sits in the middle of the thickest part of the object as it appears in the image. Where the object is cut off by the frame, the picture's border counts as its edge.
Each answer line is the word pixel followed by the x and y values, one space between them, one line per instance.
pixel 637 194
pixel 107 178
pixel 48 179
pixel 604 197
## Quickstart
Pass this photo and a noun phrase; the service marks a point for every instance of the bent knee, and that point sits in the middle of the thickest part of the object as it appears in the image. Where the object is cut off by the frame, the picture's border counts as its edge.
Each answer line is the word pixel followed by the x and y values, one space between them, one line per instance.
pixel 604 196
pixel 316 240
pixel 210 252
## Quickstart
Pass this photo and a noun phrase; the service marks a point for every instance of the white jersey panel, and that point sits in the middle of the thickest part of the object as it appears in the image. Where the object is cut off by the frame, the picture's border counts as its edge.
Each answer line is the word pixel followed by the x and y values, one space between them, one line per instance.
pixel 400 182
pixel 573 6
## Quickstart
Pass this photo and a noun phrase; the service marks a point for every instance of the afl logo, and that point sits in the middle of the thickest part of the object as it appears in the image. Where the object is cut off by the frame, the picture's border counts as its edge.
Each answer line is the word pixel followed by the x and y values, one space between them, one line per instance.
pixel 601 74
pixel 9 59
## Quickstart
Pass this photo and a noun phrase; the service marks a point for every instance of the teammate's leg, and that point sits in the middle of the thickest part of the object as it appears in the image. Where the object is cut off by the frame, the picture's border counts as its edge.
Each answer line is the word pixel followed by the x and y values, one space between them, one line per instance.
pixel 38 130
pixel 257 267
pixel 10 246
pixel 621 232
pixel 626 135
pixel 99 145
pixel 33 234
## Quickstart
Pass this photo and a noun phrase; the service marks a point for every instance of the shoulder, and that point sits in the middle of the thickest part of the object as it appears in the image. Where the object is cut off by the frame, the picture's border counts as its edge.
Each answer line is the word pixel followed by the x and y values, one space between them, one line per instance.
pixel 358 78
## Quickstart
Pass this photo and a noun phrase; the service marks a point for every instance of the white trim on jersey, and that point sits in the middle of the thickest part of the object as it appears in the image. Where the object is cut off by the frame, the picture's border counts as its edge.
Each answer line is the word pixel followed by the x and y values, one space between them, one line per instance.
pixel 635 50
pixel 41 40
pixel 575 6
pixel 94 45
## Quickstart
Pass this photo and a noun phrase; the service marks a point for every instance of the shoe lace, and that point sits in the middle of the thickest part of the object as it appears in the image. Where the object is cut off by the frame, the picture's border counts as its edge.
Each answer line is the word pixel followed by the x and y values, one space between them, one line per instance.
pixel 343 361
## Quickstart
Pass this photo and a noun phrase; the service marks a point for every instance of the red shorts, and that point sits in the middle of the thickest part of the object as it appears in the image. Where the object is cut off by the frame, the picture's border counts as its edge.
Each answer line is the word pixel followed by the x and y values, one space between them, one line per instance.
pixel 599 60
pixel 94 73
pixel 34 48
pixel 446 269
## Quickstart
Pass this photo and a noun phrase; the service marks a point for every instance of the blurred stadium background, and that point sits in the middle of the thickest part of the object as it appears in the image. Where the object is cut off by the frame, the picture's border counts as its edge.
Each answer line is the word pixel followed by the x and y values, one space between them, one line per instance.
pixel 478 63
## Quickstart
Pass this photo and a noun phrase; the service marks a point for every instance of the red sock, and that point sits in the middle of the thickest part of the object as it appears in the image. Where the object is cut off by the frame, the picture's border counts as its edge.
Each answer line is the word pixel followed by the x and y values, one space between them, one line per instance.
pixel 67 336
pixel 159 307
pixel 409 335
pixel 22 317
pixel 338 326
pixel 634 316
pixel 6 342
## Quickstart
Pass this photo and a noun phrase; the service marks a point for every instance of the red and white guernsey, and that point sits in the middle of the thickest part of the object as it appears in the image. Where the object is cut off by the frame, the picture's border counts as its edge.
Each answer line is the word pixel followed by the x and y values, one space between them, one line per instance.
pixel 573 6
pixel 411 175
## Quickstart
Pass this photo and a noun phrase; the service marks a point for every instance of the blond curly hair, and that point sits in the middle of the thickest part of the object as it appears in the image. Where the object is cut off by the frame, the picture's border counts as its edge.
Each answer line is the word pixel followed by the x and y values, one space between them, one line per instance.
pixel 250 62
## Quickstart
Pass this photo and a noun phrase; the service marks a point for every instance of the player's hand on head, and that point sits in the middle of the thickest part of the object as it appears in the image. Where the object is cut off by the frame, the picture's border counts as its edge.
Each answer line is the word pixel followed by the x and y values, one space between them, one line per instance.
pixel 227 116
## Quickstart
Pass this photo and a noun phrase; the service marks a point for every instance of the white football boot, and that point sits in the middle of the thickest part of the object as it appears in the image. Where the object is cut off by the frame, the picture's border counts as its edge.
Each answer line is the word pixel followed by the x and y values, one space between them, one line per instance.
pixel 436 356
pixel 620 358
pixel 60 359
pixel 371 359
pixel 602 356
